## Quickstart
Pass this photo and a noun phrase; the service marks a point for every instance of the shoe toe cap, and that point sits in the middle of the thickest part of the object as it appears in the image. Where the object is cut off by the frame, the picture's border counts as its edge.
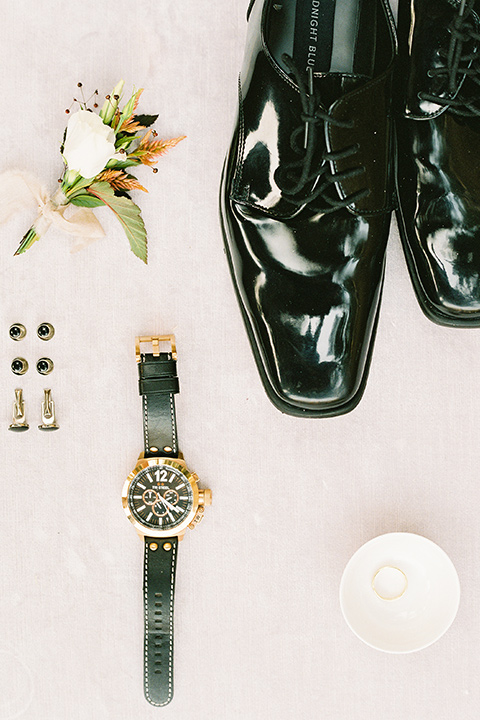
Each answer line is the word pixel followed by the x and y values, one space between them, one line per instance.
pixel 308 340
pixel 451 277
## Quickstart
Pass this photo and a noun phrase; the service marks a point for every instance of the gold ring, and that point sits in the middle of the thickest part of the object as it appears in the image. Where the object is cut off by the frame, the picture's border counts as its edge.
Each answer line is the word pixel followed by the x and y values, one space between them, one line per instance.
pixel 389 599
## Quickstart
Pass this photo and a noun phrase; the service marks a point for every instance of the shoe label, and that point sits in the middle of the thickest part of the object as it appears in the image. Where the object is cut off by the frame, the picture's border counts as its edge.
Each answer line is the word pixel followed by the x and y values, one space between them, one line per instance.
pixel 314 23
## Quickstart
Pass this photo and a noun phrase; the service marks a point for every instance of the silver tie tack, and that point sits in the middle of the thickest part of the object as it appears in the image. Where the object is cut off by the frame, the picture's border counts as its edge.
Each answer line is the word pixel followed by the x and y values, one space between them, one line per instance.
pixel 48 412
pixel 19 423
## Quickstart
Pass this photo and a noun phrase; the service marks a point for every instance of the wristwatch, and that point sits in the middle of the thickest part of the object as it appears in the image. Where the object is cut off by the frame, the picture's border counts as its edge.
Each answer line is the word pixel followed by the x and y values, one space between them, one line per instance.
pixel 162 499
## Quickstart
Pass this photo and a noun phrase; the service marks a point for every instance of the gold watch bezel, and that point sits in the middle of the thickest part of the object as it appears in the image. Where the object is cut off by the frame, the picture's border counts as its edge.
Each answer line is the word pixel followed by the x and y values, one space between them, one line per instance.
pixel 180 465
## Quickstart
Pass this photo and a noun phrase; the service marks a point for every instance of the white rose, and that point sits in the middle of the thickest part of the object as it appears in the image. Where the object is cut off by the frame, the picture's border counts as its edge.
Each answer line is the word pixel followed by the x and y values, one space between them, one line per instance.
pixel 89 144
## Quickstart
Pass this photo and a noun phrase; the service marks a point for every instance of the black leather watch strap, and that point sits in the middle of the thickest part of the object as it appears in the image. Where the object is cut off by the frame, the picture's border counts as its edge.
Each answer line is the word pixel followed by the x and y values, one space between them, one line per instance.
pixel 158 383
pixel 158 588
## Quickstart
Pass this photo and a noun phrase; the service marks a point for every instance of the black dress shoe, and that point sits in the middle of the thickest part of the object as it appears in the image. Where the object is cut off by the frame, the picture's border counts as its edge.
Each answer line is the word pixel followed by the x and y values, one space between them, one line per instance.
pixel 438 156
pixel 306 195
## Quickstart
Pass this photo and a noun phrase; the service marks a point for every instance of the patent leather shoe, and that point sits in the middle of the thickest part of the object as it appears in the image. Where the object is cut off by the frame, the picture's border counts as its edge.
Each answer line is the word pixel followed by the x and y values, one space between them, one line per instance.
pixel 438 174
pixel 306 196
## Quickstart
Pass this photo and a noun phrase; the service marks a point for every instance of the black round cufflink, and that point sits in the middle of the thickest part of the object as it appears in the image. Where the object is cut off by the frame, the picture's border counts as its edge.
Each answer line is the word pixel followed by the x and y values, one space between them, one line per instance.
pixel 17 331
pixel 45 366
pixel 45 331
pixel 19 366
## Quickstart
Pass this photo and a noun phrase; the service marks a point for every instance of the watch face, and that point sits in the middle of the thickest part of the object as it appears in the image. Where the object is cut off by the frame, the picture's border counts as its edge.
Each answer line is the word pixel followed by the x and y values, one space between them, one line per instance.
pixel 160 497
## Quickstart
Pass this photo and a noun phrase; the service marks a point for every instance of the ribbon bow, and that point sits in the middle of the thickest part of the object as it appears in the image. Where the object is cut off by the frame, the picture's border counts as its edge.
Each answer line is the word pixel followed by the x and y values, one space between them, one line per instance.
pixel 17 191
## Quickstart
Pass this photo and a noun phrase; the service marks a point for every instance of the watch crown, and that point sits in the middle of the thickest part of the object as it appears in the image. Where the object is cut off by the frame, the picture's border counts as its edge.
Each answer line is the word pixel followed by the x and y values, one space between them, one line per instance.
pixel 205 497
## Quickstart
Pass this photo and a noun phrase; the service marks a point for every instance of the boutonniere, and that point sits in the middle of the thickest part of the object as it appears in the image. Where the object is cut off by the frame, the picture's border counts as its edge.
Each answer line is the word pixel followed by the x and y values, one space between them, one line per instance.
pixel 99 153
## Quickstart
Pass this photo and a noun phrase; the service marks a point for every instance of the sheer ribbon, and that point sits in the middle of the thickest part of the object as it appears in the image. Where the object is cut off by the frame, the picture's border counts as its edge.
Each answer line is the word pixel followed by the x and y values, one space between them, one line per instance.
pixel 20 190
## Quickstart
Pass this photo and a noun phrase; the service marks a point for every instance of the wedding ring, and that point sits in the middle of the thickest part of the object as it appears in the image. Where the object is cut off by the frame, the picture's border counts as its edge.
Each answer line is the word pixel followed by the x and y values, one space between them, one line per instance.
pixel 389 583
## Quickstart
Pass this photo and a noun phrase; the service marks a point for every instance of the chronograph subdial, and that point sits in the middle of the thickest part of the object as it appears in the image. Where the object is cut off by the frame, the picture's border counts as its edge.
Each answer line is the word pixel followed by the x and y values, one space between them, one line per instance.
pixel 171 496
pixel 150 497
pixel 159 508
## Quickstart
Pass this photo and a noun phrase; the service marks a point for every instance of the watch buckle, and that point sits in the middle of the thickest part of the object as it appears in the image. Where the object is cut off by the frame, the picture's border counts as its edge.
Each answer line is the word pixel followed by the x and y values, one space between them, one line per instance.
pixel 155 341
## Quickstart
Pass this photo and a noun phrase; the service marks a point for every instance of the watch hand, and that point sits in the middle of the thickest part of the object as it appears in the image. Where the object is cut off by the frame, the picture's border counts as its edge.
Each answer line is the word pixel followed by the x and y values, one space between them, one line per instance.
pixel 169 505
pixel 170 514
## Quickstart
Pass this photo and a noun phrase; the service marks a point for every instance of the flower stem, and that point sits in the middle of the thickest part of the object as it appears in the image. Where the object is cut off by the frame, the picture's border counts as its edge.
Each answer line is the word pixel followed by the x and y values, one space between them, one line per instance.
pixel 27 241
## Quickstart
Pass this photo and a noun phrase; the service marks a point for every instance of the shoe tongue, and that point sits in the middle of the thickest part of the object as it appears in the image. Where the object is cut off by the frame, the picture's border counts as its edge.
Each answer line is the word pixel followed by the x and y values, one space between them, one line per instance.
pixel 330 87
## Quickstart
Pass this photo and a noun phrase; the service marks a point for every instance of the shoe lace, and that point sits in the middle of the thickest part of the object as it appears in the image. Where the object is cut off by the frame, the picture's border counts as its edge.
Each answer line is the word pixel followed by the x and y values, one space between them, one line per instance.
pixel 305 180
pixel 460 63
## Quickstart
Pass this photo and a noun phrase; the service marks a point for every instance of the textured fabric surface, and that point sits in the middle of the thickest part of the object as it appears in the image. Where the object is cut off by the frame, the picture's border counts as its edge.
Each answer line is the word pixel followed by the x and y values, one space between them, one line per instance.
pixel 258 629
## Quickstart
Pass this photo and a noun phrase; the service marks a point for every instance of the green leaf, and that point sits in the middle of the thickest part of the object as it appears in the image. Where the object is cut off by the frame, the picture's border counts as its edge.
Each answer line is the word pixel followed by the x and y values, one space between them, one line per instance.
pixel 128 214
pixel 124 141
pixel 122 164
pixel 71 187
pixel 86 200
pixel 145 120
